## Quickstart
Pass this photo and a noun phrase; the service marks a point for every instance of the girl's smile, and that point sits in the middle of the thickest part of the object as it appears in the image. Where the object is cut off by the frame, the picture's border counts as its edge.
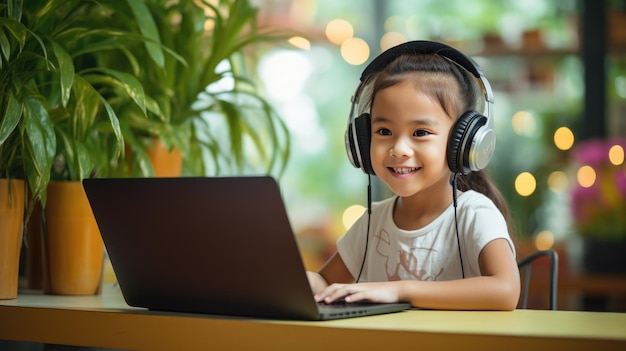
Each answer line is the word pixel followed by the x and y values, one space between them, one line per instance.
pixel 403 170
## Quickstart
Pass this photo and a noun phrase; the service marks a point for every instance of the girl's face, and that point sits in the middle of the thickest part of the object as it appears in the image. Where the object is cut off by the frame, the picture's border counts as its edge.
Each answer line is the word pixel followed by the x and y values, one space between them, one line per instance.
pixel 409 139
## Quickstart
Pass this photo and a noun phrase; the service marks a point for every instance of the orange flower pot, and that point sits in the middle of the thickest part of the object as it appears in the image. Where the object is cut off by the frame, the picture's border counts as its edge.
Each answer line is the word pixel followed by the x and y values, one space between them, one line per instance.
pixel 11 219
pixel 33 242
pixel 73 247
pixel 164 162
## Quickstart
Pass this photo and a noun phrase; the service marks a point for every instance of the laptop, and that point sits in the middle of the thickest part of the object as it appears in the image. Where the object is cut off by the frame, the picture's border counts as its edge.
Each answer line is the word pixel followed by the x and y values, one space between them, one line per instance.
pixel 211 245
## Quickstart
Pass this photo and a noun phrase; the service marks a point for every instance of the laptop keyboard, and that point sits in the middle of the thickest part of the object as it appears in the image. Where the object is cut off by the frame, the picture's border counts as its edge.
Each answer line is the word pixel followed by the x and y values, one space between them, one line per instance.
pixel 342 303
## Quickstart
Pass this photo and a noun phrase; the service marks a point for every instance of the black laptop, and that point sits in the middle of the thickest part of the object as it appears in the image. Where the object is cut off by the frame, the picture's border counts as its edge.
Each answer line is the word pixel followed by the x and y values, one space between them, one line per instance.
pixel 212 245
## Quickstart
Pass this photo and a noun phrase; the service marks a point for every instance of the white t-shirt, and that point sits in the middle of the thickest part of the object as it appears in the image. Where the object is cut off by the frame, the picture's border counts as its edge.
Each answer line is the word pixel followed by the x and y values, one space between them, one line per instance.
pixel 429 253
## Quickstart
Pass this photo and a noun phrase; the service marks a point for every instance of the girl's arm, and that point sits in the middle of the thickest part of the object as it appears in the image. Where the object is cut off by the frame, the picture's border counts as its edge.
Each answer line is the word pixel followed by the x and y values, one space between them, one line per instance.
pixel 497 288
pixel 334 271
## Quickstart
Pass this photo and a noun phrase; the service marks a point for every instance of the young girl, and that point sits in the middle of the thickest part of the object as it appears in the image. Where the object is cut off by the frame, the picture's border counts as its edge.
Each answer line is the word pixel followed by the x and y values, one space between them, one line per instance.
pixel 430 245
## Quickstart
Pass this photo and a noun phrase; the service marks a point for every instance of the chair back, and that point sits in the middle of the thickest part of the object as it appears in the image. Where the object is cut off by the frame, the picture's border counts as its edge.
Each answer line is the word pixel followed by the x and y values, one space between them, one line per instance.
pixel 525 266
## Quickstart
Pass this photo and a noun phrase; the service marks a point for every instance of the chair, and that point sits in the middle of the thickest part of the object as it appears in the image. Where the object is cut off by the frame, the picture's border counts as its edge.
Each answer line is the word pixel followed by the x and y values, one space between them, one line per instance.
pixel 525 265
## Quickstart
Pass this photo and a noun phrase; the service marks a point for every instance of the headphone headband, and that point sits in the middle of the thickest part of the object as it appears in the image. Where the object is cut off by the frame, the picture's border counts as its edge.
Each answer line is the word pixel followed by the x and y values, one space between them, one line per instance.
pixel 428 47
pixel 422 47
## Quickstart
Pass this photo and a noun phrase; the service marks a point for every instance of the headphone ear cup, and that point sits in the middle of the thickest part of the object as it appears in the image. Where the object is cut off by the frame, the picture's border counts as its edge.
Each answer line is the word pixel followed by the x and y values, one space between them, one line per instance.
pixel 351 147
pixel 460 141
pixel 363 136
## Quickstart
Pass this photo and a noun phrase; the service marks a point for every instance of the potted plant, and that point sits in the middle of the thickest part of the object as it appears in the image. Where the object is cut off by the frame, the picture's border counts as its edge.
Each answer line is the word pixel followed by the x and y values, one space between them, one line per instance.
pixel 206 84
pixel 598 202
pixel 77 95
pixel 27 138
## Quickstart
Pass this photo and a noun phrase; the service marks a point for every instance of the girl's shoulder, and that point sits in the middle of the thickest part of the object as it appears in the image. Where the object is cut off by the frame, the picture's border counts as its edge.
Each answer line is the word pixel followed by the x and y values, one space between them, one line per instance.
pixel 472 200
pixel 385 204
pixel 383 208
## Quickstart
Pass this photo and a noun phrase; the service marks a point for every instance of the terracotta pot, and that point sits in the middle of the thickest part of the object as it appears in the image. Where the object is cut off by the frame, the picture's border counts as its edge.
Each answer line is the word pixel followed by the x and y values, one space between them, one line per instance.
pixel 73 248
pixel 33 242
pixel 165 163
pixel 11 219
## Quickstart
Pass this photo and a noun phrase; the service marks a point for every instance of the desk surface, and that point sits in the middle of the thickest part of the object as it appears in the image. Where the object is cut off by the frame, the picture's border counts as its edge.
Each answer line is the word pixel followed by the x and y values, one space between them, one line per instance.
pixel 107 321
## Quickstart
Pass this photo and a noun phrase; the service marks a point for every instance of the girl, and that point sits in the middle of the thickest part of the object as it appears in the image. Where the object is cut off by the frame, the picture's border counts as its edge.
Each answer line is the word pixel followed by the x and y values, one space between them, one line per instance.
pixel 430 245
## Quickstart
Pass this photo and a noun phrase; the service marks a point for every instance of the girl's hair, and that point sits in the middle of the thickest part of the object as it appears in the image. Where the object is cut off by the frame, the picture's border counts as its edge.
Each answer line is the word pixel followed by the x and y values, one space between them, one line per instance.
pixel 457 91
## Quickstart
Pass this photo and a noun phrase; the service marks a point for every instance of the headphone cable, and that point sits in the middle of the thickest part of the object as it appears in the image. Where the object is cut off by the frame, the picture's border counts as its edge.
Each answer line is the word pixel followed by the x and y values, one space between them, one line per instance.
pixel 456 221
pixel 369 219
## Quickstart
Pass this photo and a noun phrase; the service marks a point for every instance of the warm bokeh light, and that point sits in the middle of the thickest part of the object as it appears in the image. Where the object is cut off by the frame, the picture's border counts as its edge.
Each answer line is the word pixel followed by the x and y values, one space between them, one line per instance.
pixel 544 240
pixel 557 181
pixel 524 123
pixel 391 39
pixel 564 138
pixel 525 184
pixel 300 42
pixel 351 214
pixel 338 31
pixel 355 51
pixel 394 24
pixel 586 176
pixel 616 155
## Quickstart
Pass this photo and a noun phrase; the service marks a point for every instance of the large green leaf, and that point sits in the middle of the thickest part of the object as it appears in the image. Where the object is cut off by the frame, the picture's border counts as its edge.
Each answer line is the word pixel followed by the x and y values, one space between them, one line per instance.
pixel 149 29
pixel 127 83
pixel 84 108
pixel 11 118
pixel 65 71
pixel 40 147
pixel 115 126
pixel 17 30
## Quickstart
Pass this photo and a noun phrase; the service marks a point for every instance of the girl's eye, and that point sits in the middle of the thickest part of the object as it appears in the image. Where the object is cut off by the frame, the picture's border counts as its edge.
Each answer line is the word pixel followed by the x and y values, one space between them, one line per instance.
pixel 421 133
pixel 383 131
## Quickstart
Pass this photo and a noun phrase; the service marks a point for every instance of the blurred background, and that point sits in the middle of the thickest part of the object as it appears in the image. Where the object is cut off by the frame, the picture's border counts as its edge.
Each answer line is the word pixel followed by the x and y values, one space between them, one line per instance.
pixel 231 102
pixel 558 71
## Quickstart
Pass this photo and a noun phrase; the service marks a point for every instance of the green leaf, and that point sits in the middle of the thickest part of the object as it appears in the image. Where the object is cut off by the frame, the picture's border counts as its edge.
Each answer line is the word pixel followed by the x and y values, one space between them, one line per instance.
pixel 65 70
pixel 5 47
pixel 128 83
pixel 40 148
pixel 84 108
pixel 11 118
pixel 115 125
pixel 15 9
pixel 17 29
pixel 148 28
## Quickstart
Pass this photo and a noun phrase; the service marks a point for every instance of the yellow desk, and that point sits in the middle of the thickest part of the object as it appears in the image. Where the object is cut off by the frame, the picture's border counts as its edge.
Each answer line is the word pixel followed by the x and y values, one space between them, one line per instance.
pixel 106 321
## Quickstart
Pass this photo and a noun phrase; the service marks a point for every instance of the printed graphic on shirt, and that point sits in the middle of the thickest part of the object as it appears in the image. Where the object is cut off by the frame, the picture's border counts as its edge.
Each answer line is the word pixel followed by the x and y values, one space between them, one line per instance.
pixel 401 263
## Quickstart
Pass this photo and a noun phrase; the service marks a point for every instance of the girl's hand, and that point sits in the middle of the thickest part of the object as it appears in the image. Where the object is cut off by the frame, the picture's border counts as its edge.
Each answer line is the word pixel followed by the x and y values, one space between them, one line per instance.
pixel 373 292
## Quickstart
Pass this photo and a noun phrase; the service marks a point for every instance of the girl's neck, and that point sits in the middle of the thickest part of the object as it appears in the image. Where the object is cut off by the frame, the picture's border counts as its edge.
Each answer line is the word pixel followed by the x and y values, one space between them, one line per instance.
pixel 418 210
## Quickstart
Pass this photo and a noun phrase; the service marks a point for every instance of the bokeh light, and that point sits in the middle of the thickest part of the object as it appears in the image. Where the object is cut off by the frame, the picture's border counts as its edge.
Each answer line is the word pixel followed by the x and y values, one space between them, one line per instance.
pixel 586 176
pixel 351 214
pixel 616 155
pixel 525 184
pixel 524 123
pixel 544 240
pixel 391 39
pixel 557 181
pixel 300 42
pixel 564 138
pixel 394 24
pixel 355 51
pixel 338 31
